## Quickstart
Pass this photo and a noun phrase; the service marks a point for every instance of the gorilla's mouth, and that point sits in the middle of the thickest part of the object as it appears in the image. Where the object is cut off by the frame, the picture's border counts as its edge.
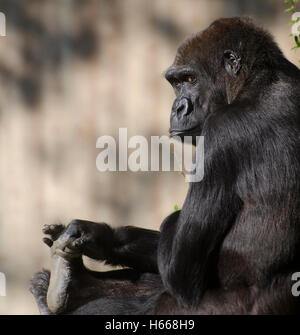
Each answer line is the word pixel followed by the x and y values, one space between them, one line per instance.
pixel 181 132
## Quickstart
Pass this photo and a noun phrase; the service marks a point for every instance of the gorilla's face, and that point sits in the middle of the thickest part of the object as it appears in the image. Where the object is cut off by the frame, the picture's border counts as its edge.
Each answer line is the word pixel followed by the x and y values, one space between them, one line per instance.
pixel 199 82
pixel 191 104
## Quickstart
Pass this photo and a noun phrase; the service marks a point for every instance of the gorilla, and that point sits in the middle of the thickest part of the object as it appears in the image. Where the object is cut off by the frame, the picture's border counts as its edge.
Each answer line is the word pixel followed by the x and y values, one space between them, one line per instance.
pixel 234 245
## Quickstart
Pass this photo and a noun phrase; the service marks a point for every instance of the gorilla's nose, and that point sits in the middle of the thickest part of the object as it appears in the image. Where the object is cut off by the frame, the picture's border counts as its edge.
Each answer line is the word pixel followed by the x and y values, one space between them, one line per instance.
pixel 183 107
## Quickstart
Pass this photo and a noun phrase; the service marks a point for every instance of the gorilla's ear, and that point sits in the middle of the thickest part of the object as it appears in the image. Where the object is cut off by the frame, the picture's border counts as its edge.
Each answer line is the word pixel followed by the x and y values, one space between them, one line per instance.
pixel 232 62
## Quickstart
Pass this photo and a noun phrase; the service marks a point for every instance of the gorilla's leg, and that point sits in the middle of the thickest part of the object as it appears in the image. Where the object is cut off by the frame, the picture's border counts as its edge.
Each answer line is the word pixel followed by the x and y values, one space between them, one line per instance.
pixel 51 290
pixel 100 292
pixel 40 282
pixel 39 287
pixel 70 285
pixel 63 269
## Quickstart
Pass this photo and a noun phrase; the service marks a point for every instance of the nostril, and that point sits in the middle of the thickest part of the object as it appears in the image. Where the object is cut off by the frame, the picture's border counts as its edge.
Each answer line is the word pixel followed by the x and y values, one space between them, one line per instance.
pixel 182 107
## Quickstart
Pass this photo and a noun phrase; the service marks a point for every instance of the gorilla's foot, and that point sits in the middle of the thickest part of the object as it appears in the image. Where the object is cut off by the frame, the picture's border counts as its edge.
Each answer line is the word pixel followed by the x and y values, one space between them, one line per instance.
pixel 64 261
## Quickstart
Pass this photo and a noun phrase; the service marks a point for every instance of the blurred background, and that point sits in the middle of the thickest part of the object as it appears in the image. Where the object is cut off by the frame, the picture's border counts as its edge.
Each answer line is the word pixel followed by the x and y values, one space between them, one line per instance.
pixel 74 70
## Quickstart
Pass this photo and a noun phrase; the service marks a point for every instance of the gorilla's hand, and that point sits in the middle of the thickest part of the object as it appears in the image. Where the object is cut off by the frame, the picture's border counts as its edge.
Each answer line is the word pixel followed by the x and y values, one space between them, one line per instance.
pixel 78 238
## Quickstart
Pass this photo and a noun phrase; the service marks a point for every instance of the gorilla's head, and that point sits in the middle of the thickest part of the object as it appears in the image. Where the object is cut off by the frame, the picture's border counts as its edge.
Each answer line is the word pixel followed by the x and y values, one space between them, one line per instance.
pixel 217 67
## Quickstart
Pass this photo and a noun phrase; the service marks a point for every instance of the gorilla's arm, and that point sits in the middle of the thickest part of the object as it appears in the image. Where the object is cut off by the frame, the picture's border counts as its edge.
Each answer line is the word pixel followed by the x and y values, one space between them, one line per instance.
pixel 189 246
pixel 190 240
pixel 127 246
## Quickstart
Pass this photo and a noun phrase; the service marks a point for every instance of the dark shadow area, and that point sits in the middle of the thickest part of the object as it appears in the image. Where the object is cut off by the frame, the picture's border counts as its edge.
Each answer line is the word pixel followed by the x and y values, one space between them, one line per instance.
pixel 43 49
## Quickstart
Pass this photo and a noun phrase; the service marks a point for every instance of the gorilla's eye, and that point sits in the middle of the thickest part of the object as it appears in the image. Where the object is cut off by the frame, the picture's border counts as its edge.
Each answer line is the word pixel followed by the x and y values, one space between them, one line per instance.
pixel 191 79
pixel 176 83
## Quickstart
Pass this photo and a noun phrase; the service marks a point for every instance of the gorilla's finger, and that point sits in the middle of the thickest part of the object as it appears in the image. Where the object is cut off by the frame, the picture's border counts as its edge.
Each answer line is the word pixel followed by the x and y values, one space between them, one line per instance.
pixel 54 230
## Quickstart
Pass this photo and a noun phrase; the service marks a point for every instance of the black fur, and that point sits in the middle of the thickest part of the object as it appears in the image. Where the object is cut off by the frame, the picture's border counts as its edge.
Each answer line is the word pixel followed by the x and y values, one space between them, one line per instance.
pixel 235 243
